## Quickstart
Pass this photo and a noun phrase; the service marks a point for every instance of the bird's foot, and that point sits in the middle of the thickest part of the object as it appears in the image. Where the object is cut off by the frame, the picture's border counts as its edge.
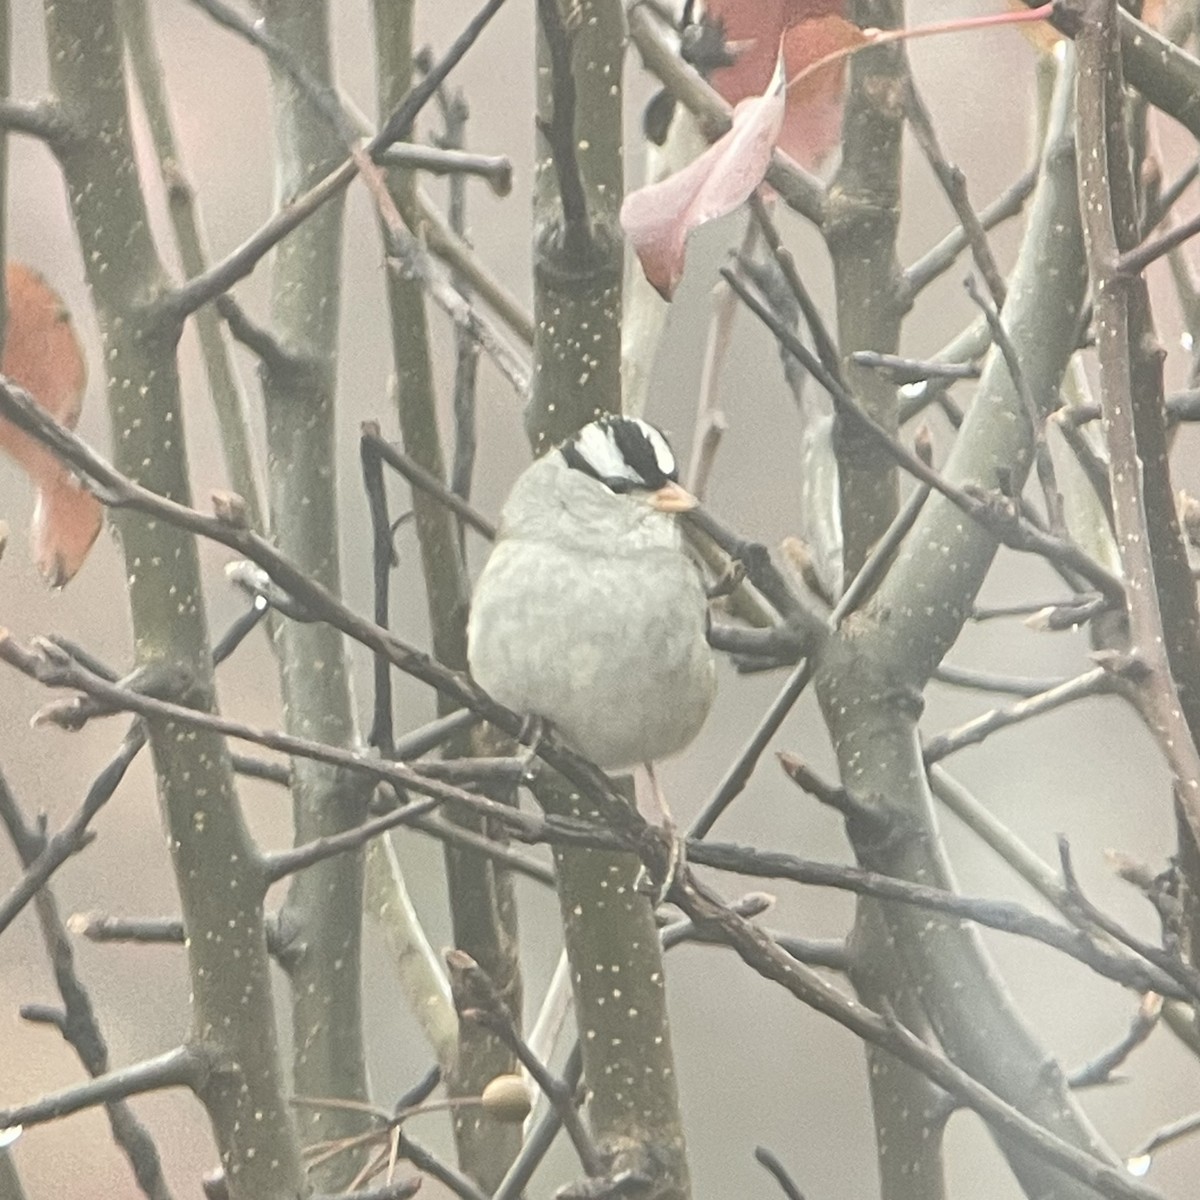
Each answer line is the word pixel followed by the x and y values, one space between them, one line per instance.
pixel 532 732
pixel 655 882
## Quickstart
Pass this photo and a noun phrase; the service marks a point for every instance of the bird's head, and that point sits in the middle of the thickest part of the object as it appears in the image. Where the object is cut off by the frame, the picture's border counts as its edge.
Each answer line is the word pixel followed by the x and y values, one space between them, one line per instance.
pixel 630 457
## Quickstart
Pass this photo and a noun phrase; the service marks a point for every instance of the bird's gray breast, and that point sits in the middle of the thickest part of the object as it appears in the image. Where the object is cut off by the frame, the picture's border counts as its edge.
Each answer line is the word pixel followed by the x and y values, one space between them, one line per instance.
pixel 599 627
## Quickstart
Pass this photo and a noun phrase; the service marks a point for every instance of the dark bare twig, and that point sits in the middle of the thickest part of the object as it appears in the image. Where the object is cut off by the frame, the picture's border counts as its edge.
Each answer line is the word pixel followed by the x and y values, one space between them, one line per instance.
pixel 762 955
pixel 1138 1161
pixel 1100 1069
pixel 56 670
pixel 258 339
pixel 989 681
pixel 826 347
pixel 222 276
pixel 738 774
pixel 954 184
pixel 996 514
pixel 185 1066
pixel 762 573
pixel 1134 262
pixel 1033 411
pixel 1184 974
pixel 805 778
pixel 876 563
pixel 476 998
pixel 287 862
pixel 559 132
pixel 1002 915
pixel 942 257
pixel 501 852
pixel 425 1160
pixel 75 835
pixel 76 1021
pixel 903 371
pixel 419 477
pixel 778 1172
pixel 322 97
pixel 1096 682
pixel 538 1143
pixel 1093 466
pixel 440 160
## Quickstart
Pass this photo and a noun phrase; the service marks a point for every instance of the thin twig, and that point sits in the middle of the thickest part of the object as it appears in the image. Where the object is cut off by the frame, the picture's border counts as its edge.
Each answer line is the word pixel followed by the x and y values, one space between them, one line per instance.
pixel 994 513
pixel 1036 415
pixel 1003 915
pixel 559 133
pixel 419 477
pixel 739 771
pixel 77 1021
pixel 476 998
pixel 383 560
pixel 990 681
pixel 937 261
pixel 287 862
pixel 778 1172
pixel 907 371
pixel 759 952
pixel 1097 682
pixel 185 1066
pixel 1100 1069
pixel 1183 973
pixel 823 342
pixel 541 1138
pixel 876 563
pixel 954 185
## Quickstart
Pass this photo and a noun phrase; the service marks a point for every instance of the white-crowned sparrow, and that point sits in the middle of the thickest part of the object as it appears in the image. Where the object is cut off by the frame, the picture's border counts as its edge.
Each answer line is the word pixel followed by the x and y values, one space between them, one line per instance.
pixel 589 612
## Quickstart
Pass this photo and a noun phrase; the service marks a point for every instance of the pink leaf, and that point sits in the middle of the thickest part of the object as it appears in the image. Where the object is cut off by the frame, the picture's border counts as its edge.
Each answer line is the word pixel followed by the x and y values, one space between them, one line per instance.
pixel 658 218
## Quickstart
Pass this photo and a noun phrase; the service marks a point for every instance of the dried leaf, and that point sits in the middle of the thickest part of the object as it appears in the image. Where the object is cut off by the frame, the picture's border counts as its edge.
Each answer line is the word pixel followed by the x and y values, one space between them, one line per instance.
pixel 658 218
pixel 809 29
pixel 812 124
pixel 43 356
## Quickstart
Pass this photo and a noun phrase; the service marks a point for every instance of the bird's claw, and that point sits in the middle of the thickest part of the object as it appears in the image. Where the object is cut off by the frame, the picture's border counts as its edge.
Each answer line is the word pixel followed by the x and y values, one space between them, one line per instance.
pixel 671 851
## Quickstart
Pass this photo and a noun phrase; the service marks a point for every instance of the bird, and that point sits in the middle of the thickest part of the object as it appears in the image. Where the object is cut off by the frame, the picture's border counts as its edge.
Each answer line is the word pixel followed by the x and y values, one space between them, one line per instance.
pixel 589 613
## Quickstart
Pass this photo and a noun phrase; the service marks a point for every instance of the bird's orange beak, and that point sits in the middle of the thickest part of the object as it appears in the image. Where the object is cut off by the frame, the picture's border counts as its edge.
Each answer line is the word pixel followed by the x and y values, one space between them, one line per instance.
pixel 672 498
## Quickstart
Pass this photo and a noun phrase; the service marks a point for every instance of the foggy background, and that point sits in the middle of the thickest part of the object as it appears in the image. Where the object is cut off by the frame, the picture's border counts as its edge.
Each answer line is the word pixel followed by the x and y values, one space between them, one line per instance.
pixel 755 1067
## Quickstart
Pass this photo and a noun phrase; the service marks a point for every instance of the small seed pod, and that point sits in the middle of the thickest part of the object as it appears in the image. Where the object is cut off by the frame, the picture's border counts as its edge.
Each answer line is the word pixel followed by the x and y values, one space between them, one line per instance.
pixel 507 1099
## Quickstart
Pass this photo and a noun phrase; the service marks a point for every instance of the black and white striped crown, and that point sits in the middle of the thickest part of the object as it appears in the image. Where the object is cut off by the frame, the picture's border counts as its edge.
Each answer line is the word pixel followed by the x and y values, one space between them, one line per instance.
pixel 624 453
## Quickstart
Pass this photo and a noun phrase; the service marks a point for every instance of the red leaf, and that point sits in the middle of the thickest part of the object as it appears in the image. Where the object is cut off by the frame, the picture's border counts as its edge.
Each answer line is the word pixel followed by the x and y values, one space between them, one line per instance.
pixel 42 355
pixel 812 125
pixel 753 31
pixel 658 218
pixel 809 29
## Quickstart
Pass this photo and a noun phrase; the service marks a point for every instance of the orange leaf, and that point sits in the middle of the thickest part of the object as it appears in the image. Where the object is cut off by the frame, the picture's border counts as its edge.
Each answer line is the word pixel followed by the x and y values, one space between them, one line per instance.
pixel 42 355
pixel 658 218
